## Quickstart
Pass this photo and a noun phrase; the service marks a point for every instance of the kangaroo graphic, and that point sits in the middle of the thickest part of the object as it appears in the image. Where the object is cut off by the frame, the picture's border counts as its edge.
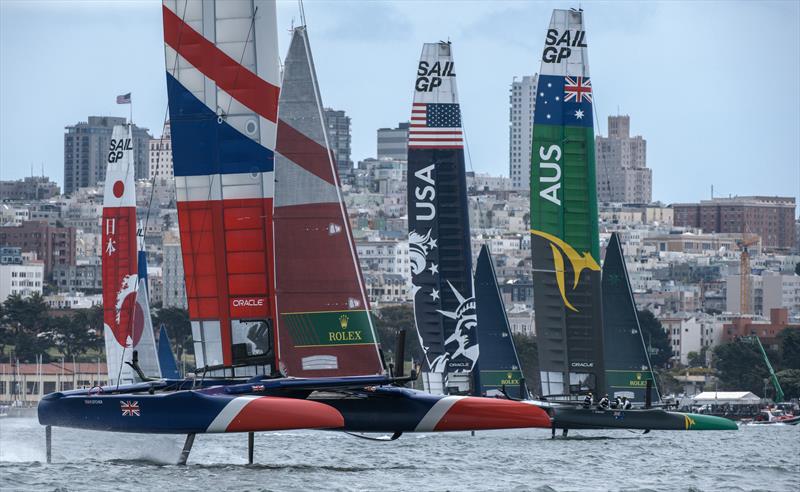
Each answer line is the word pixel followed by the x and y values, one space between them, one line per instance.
pixel 579 262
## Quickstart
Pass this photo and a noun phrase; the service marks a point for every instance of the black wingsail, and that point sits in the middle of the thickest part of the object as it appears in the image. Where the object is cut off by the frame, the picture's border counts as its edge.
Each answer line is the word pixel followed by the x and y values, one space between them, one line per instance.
pixel 627 363
pixel 438 226
pixel 499 365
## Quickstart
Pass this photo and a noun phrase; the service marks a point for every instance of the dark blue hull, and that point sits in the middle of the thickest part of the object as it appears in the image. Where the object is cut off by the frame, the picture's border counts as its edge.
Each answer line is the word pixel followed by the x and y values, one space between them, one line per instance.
pixel 280 405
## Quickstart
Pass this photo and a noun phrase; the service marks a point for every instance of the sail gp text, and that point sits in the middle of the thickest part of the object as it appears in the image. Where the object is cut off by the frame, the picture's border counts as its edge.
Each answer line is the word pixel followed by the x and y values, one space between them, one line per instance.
pixel 117 148
pixel 429 77
pixel 558 46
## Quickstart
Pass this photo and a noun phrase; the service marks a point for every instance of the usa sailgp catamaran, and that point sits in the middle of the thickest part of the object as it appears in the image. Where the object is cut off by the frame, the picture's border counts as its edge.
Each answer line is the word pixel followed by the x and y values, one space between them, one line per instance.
pixel 280 320
pixel 127 327
pixel 438 227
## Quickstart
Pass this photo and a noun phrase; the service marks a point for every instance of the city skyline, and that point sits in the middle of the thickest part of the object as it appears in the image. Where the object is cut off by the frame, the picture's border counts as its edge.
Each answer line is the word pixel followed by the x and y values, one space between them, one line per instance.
pixel 696 137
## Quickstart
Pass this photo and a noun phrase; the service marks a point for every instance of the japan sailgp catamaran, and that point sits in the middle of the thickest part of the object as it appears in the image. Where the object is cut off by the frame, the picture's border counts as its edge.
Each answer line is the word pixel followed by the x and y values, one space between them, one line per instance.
pixel 280 321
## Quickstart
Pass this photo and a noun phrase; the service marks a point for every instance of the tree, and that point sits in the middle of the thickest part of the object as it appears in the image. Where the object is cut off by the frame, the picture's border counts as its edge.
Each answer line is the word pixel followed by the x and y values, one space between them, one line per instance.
pixel 388 321
pixel 24 323
pixel 790 348
pixel 179 329
pixel 528 353
pixel 70 334
pixel 740 366
pixel 790 383
pixel 695 359
pixel 655 337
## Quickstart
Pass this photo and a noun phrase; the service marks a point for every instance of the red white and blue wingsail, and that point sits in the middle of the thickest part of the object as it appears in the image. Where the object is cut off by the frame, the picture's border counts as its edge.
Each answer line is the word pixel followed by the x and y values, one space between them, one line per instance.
pixel 325 326
pixel 223 82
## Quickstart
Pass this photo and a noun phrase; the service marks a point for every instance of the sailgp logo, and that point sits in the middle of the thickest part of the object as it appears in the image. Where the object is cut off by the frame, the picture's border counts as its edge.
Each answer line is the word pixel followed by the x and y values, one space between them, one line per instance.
pixel 578 262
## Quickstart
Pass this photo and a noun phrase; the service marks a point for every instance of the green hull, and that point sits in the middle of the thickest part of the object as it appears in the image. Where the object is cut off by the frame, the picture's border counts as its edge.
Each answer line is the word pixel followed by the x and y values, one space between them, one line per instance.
pixel 650 419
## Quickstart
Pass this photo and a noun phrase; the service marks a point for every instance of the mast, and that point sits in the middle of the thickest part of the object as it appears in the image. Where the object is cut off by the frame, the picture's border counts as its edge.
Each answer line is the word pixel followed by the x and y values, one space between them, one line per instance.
pixel 438 225
pixel 325 327
pixel 499 365
pixel 627 362
pixel 223 83
pixel 564 241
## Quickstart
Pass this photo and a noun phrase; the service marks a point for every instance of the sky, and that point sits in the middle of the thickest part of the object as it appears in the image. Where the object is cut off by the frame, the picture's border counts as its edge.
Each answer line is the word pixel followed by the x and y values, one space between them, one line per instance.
pixel 714 87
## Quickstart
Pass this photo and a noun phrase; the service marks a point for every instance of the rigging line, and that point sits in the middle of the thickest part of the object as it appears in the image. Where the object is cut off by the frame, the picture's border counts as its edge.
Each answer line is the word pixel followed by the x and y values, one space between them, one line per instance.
pixel 152 190
pixel 241 59
pixel 345 219
pixel 474 181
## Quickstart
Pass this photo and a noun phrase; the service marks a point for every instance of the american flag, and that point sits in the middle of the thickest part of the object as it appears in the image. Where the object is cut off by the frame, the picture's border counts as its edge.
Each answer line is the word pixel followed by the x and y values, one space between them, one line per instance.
pixel 130 408
pixel 435 125
pixel 124 98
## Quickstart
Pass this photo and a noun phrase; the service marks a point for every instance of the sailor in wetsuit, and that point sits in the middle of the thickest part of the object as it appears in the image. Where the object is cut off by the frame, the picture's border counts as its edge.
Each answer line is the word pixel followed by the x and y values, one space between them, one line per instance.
pixel 587 401
pixel 603 405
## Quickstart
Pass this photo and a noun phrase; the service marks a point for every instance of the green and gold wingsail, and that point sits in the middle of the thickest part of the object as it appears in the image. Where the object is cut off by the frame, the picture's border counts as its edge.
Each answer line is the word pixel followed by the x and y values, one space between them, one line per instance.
pixel 564 235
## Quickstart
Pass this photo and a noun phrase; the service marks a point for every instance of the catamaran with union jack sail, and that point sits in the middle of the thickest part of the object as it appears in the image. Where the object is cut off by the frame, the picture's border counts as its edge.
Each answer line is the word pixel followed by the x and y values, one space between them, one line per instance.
pixel 281 323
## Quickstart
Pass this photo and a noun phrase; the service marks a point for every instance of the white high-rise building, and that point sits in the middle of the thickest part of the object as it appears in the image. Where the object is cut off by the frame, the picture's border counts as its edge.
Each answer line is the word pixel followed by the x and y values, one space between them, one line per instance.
pixel 160 156
pixel 521 103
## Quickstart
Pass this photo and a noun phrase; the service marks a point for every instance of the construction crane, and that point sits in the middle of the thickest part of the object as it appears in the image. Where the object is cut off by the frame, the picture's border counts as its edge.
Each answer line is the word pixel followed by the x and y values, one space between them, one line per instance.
pixel 744 271
pixel 772 377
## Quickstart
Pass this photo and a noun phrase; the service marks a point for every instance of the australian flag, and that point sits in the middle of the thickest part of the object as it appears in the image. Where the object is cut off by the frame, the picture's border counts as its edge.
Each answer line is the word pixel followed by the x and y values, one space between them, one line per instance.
pixel 563 100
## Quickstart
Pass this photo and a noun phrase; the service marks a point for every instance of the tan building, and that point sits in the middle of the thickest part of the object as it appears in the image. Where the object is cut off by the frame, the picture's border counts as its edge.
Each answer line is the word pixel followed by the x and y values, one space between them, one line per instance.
pixel 160 156
pixel 27 383
pixel 622 173
pixel 772 218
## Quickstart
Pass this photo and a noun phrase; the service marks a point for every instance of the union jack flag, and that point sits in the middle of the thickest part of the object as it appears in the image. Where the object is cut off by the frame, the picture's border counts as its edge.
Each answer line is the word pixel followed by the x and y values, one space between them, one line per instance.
pixel 578 88
pixel 130 408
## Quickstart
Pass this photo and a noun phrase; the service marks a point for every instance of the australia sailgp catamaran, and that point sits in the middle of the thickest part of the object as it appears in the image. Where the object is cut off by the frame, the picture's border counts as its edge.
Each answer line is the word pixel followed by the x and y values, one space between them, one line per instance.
pixel 280 320
pixel 589 340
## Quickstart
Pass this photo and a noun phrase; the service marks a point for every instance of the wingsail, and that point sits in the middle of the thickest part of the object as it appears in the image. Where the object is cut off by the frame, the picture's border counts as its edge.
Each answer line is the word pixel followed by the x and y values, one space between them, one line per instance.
pixel 119 261
pixel 223 83
pixel 325 326
pixel 564 231
pixel 438 225
pixel 627 362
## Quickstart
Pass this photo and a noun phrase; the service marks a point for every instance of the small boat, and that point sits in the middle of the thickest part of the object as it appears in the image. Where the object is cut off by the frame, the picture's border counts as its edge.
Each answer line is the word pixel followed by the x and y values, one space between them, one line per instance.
pixel 773 416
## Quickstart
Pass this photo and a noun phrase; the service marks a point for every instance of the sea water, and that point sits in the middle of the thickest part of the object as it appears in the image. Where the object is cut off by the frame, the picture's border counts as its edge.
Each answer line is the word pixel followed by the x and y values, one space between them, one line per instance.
pixel 763 457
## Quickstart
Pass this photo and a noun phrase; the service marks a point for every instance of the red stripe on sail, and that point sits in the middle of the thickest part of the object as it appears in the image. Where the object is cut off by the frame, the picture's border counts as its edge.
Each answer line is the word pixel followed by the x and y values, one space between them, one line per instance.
pixel 316 273
pixel 304 152
pixel 119 260
pixel 242 84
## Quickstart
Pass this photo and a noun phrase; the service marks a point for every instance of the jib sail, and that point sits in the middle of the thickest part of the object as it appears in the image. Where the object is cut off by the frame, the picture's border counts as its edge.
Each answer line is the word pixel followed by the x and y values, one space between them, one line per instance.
pixel 564 235
pixel 325 327
pixel 438 224
pixel 499 365
pixel 626 359
pixel 223 80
